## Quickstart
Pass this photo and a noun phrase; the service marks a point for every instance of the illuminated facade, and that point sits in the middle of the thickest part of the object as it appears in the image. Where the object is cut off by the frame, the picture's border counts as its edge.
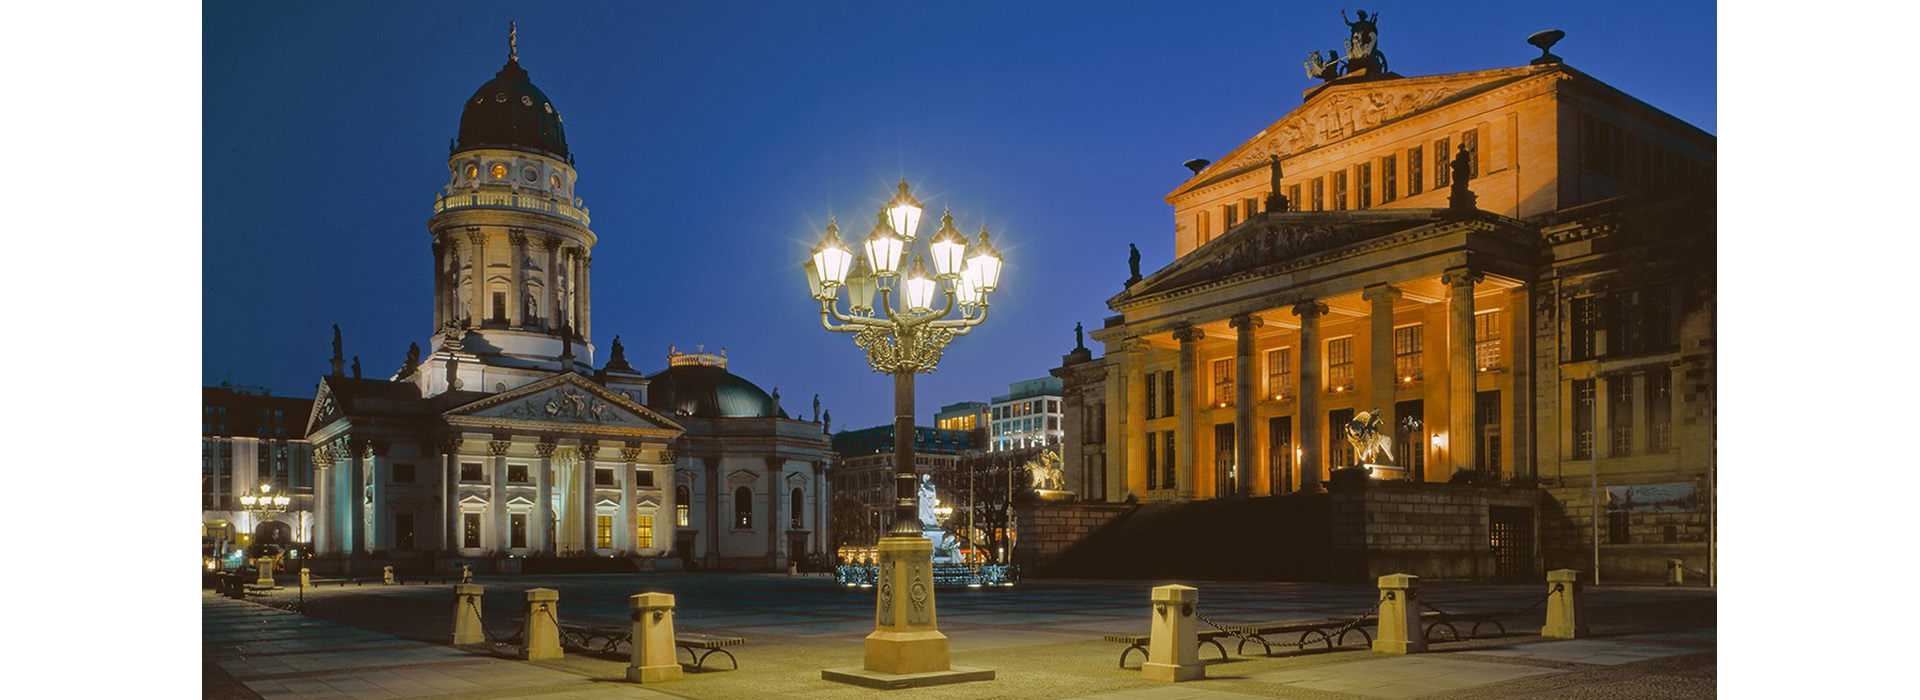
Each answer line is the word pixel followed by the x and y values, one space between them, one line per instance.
pixel 249 439
pixel 1028 415
pixel 1556 320
pixel 865 471
pixel 504 441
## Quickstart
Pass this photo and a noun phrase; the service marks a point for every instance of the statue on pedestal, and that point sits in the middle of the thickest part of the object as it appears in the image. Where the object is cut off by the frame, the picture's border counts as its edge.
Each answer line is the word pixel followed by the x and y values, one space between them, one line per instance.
pixel 1133 263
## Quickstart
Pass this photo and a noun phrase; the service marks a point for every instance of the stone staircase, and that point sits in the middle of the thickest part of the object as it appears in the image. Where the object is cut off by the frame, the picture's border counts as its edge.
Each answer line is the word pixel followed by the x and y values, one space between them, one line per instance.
pixel 1267 538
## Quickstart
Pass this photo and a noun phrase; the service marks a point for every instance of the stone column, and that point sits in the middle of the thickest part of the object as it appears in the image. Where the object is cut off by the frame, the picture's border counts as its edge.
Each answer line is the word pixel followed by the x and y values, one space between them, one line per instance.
pixel 542 526
pixel 450 494
pixel 1136 435
pixel 1185 407
pixel 477 310
pixel 666 525
pixel 774 525
pixel 440 248
pixel 497 495
pixel 623 524
pixel 324 519
pixel 1243 400
pixel 584 327
pixel 380 536
pixel 1380 358
pixel 590 515
pixel 552 320
pixel 356 530
pixel 1309 429
pixel 820 500
pixel 712 465
pixel 516 297
pixel 1461 372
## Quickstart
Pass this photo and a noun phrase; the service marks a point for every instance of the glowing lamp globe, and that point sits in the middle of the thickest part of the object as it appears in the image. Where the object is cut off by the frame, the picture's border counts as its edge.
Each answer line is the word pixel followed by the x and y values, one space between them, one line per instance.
pixel 949 248
pixel 920 286
pixel 984 262
pixel 831 259
pixel 904 212
pixel 884 247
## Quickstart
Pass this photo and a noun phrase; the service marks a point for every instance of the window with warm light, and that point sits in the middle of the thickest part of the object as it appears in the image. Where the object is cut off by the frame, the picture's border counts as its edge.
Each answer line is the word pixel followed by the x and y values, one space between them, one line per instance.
pixel 681 510
pixel 1153 396
pixel 1223 383
pixel 1339 187
pixel 643 531
pixel 603 531
pixel 1389 181
pixel 1409 344
pixel 1441 177
pixel 470 526
pixel 1340 364
pixel 1486 340
pixel 1280 373
pixel 743 508
pixel 1414 172
pixel 1583 326
pixel 1363 188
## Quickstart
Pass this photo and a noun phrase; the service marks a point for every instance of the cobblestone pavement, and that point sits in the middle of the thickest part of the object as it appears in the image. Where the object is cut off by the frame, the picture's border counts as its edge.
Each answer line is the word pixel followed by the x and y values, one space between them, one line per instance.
pixel 1043 639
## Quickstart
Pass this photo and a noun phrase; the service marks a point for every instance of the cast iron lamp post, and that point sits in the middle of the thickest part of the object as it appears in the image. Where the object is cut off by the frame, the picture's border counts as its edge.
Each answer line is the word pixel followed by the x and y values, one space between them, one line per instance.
pixel 902 337
pixel 264 505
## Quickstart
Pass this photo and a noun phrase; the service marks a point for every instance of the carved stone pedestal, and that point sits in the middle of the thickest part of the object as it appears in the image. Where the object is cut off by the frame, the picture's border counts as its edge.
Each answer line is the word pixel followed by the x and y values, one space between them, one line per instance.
pixel 905 649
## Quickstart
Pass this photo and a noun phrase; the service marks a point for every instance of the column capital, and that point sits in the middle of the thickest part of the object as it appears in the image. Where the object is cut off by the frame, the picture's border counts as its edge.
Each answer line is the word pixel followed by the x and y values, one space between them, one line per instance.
pixel 1245 323
pixel 544 448
pixel 588 448
pixel 499 447
pixel 630 455
pixel 551 242
pixel 1188 334
pixel 475 235
pixel 586 261
pixel 1462 277
pixel 1380 293
pixel 517 235
pixel 1309 308
pixel 450 444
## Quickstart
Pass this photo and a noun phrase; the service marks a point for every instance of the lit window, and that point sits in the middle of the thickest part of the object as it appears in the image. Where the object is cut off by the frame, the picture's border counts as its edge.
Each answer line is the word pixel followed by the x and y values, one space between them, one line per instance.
pixel 1389 184
pixel 1280 372
pixel 1363 190
pixel 681 510
pixel 643 531
pixel 603 531
pixel 1408 350
pixel 1340 364
pixel 1223 382
pixel 1486 340
pixel 1414 173
pixel 470 523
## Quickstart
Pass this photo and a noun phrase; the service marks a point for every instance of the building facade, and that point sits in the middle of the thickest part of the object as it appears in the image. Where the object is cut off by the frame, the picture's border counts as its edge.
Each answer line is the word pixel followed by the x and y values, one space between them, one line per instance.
pixel 1511 269
pixel 251 442
pixel 505 441
pixel 865 469
pixel 1028 415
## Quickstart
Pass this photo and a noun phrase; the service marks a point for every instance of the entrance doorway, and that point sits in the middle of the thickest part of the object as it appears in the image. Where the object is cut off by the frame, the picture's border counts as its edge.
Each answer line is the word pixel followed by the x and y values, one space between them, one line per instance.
pixel 1510 534
pixel 1280 454
pixel 1223 476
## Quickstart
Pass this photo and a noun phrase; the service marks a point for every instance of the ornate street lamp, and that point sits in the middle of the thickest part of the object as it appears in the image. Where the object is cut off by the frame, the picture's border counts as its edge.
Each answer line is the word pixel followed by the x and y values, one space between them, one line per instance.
pixel 264 505
pixel 903 337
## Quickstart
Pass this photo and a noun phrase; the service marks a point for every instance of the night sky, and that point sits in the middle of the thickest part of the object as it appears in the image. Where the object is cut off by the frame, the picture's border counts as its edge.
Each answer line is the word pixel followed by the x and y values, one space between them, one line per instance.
pixel 714 139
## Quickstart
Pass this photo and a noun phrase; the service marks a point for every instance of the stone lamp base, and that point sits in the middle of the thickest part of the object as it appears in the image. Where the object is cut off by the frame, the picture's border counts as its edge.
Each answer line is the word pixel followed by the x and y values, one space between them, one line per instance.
pixel 906 648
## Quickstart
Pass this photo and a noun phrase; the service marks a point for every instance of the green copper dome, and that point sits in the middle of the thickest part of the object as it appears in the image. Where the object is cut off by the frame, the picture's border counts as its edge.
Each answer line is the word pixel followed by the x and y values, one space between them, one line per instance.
pixel 704 391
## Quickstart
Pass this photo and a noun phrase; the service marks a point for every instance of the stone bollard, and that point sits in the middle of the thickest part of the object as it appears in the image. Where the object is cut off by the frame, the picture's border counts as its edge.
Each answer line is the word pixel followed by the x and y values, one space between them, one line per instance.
pixel 654 658
pixel 1675 574
pixel 540 635
pixel 266 572
pixel 1565 609
pixel 466 615
pixel 466 574
pixel 1399 631
pixel 306 577
pixel 1173 644
pixel 386 575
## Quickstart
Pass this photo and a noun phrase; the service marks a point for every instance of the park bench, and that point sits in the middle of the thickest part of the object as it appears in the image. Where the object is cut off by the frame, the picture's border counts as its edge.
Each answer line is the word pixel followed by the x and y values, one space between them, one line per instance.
pixel 1433 620
pixel 1308 629
pixel 607 640
pixel 1139 642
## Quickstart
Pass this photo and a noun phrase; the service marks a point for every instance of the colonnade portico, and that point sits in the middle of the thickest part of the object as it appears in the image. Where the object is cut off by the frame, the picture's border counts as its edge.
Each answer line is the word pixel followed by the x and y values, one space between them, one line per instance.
pixel 1267 369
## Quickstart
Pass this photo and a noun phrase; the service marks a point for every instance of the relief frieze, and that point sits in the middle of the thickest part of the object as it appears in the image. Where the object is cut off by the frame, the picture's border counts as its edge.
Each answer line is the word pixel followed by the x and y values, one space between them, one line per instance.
pixel 1342 115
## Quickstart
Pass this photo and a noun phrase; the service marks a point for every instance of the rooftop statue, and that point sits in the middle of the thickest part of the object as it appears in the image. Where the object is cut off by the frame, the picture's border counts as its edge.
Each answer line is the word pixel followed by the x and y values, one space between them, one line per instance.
pixel 1079 336
pixel 1368 440
pixel 1363 54
pixel 1133 263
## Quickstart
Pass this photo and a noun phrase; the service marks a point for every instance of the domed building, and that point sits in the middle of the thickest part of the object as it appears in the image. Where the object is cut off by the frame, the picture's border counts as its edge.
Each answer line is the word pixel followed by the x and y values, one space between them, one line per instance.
pixel 503 443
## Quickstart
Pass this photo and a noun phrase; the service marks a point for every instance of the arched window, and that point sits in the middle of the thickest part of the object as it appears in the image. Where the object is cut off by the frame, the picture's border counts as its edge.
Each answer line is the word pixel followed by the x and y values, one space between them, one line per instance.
pixel 681 497
pixel 743 508
pixel 799 509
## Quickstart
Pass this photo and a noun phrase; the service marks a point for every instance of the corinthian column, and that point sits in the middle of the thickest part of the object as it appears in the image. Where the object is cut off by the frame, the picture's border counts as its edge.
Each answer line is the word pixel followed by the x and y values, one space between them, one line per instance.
pixel 477 308
pixel 1380 358
pixel 516 297
pixel 1184 378
pixel 584 327
pixel 589 515
pixel 542 526
pixel 1243 398
pixel 1461 445
pixel 1309 418
pixel 1136 435
pixel 497 496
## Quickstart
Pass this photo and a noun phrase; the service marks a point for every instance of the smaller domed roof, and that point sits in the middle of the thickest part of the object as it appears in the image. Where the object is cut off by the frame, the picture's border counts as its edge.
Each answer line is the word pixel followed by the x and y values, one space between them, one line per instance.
pixel 509 112
pixel 705 391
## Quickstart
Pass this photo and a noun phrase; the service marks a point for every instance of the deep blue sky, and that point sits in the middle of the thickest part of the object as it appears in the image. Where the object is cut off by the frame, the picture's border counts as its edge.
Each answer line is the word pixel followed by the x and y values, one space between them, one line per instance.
pixel 713 139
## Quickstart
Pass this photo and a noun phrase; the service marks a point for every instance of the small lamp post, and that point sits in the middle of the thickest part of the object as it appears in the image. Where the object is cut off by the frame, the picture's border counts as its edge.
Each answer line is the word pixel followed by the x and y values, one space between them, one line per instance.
pixel 904 333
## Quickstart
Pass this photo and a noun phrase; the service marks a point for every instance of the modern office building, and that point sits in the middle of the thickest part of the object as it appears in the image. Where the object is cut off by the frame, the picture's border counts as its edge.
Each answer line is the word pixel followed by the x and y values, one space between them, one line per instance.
pixel 1028 415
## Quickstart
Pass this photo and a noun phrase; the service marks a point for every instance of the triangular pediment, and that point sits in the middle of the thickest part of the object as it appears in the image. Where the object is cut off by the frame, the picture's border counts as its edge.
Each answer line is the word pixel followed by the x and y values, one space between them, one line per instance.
pixel 326 409
pixel 1275 239
pixel 566 399
pixel 1339 111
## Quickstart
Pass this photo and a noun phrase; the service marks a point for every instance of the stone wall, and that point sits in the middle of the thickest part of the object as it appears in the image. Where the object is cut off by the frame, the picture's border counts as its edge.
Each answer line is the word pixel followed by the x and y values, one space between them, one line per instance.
pixel 1437 531
pixel 1047 529
pixel 1652 538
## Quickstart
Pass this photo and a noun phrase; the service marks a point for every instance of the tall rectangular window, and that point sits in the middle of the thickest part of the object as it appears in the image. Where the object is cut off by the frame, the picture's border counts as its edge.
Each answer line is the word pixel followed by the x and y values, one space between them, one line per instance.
pixel 643 531
pixel 1280 454
pixel 470 526
pixel 1319 194
pixel 1409 348
pixel 1624 322
pixel 1166 394
pixel 517 530
pixel 1223 382
pixel 643 477
pixel 1410 438
pixel 603 477
pixel 1339 187
pixel 1280 372
pixel 517 474
pixel 1471 139
pixel 1293 197
pixel 1619 527
pixel 1620 415
pixel 1659 410
pixel 1583 413
pixel 470 471
pixel 1656 306
pixel 1153 395
pixel 1414 171
pixel 1247 207
pixel 1363 189
pixel 1486 410
pixel 682 512
pixel 403 531
pixel 1339 450
pixel 1167 469
pixel 1153 462
pixel 603 531
pixel 1486 340
pixel 1228 217
pixel 1340 364
pixel 1440 169
pixel 1582 328
pixel 1389 180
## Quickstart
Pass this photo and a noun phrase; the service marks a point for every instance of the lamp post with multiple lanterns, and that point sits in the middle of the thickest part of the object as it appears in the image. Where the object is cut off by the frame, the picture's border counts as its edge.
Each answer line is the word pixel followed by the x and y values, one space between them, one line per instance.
pixel 264 505
pixel 904 333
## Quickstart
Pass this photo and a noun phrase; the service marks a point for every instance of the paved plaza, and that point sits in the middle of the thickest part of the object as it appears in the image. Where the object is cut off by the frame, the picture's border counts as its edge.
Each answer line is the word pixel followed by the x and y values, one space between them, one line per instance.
pixel 1042 637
